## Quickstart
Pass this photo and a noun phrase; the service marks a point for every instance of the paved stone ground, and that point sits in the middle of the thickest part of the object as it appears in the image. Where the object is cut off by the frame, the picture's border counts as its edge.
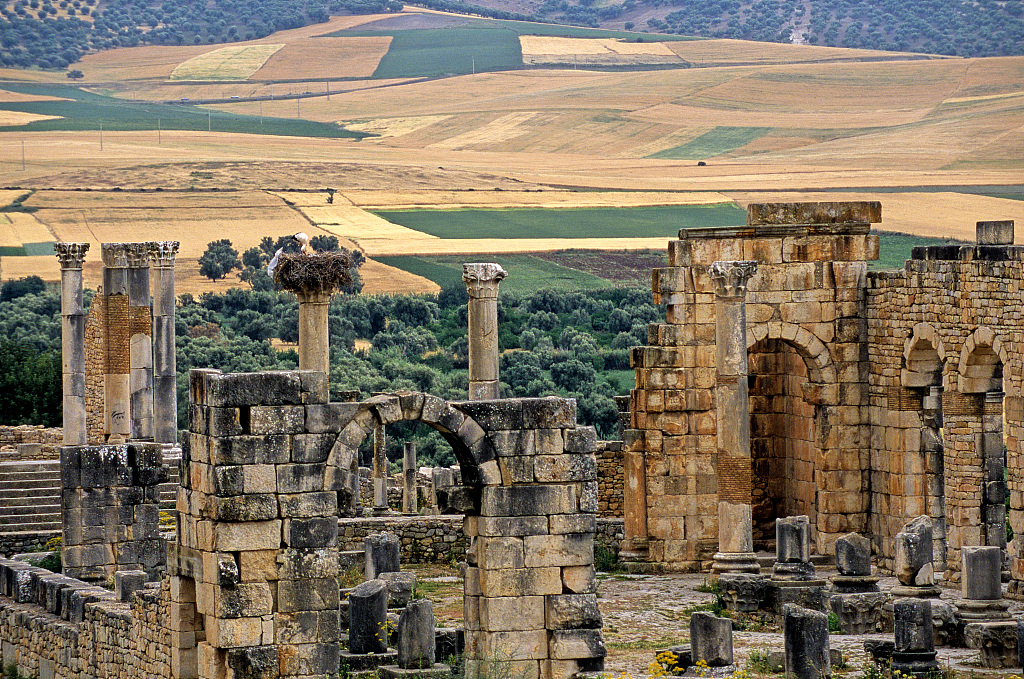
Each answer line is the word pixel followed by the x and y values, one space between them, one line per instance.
pixel 645 613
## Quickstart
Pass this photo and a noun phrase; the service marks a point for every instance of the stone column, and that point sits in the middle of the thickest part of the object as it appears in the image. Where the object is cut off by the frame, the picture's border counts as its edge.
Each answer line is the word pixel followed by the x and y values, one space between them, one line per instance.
pixel 380 470
pixel 165 389
pixel 117 344
pixel 735 537
pixel 314 346
pixel 482 285
pixel 72 312
pixel 409 503
pixel 994 462
pixel 140 377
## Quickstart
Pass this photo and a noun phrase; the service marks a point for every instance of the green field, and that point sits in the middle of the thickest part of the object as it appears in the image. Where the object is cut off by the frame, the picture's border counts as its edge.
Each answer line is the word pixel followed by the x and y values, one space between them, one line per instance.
pixel 88 111
pixel 633 222
pixel 894 248
pixel 527 274
pixel 716 142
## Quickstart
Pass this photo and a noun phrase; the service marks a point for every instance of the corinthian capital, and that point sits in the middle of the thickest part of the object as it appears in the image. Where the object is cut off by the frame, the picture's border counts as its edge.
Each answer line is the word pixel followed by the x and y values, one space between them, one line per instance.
pixel 482 279
pixel 115 255
pixel 137 255
pixel 162 252
pixel 71 255
pixel 731 277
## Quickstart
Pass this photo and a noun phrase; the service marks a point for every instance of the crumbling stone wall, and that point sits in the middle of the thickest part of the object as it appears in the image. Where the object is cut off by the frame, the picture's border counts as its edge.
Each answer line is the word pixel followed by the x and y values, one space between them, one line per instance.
pixel 95 323
pixel 49 441
pixel 609 478
pixel 945 338
pixel 807 298
pixel 269 465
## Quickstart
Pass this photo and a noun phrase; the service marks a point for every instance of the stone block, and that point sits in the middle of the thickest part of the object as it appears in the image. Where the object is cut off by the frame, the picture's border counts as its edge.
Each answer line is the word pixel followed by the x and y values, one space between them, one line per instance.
pixel 257 565
pixel 243 600
pixel 853 555
pixel 236 537
pixel 367 617
pixel 330 417
pixel 805 634
pixel 507 582
pixel 550 412
pixel 576 643
pixel 572 523
pixel 995 232
pixel 572 611
pixel 307 448
pixel 301 564
pixel 311 533
pixel 502 614
pixel 982 568
pixel 127 583
pixel 580 440
pixel 416 635
pixel 793 539
pixel 245 389
pixel 912 563
pixel 914 636
pixel 499 552
pixel 566 467
pixel 515 645
pixel 711 639
pixel 569 549
pixel 401 586
pixel 579 579
pixel 300 478
pixel 382 554
pixel 512 526
pixel 244 508
pixel 859 612
pixel 863 212
pixel 309 595
pixel 256 662
pixel 306 505
pixel 528 500
pixel 306 627
pixel 494 415
pixel 234 632
pixel 269 449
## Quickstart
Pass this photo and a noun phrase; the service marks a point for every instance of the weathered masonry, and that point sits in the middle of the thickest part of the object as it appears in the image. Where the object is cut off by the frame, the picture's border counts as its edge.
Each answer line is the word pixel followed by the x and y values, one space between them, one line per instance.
pixel 873 397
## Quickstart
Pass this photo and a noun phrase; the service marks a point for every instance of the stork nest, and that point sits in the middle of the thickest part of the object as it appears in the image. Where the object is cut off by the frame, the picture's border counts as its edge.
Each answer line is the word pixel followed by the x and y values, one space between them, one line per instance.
pixel 322 272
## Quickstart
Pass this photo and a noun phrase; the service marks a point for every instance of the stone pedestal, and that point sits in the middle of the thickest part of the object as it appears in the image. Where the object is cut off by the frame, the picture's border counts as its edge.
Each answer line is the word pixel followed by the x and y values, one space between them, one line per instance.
pixel 855 600
pixel 735 536
pixel 912 563
pixel 742 592
pixel 165 389
pixel 793 578
pixel 117 349
pixel 72 311
pixel 981 585
pixel 914 652
pixel 416 644
pixel 805 633
pixel 482 281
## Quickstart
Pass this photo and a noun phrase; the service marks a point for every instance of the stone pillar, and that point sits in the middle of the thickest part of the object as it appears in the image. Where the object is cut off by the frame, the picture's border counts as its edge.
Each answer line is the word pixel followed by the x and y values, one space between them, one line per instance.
pixel 165 389
pixel 993 507
pixel 805 634
pixel 912 563
pixel 735 538
pixel 314 344
pixel 72 312
pixel 915 637
pixel 409 504
pixel 380 469
pixel 855 597
pixel 793 578
pixel 140 377
pixel 117 344
pixel 482 285
pixel 981 585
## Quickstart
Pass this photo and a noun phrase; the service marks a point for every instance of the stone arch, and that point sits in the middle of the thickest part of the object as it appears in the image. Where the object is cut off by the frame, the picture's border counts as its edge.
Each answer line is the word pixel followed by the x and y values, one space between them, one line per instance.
pixel 820 367
pixel 981 362
pixel 924 355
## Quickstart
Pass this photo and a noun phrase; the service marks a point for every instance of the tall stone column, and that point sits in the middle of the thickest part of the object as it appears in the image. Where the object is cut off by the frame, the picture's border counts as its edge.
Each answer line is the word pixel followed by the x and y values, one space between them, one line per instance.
pixel 314 344
pixel 140 373
pixel 165 388
pixel 409 499
pixel 735 537
pixel 482 285
pixel 72 312
pixel 117 341
pixel 380 469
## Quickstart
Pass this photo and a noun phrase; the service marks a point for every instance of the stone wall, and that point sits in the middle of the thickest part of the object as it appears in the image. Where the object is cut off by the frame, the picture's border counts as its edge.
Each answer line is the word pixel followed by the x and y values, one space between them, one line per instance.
pixel 20 542
pixel 95 323
pixel 55 626
pixel 609 478
pixel 49 441
pixel 945 350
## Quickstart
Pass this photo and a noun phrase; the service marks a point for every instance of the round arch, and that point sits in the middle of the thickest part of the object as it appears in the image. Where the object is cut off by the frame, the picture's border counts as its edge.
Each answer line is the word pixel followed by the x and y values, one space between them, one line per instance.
pixel 820 367
pixel 981 362
pixel 924 356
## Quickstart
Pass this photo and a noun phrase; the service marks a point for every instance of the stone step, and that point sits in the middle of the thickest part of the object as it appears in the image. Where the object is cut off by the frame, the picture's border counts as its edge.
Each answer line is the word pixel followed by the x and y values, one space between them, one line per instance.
pixel 31 526
pixel 23 467
pixel 14 494
pixel 27 510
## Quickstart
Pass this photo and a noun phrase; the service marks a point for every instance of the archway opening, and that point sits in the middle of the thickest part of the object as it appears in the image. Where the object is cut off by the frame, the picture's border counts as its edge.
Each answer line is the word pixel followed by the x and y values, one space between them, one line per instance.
pixel 983 373
pixel 782 439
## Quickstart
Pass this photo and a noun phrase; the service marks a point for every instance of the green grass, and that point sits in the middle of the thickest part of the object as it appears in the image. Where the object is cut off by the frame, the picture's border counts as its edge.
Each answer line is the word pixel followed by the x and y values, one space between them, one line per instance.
pixel 12 251
pixel 38 249
pixel 716 142
pixel 623 380
pixel 526 274
pixel 87 111
pixel 895 248
pixel 633 222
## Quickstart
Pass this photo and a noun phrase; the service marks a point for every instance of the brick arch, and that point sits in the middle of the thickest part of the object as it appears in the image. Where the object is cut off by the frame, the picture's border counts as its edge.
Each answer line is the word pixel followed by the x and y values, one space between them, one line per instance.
pixel 473 449
pixel 982 360
pixel 820 367
pixel 924 356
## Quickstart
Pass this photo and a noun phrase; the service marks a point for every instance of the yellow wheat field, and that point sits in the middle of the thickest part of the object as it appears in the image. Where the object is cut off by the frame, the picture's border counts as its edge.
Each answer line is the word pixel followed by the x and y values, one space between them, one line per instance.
pixel 451 200
pixel 7 96
pixel 10 118
pixel 17 228
pixel 379 278
pixel 385 128
pixel 235 62
pixel 355 57
pixel 738 52
pixel 543 49
pixel 468 246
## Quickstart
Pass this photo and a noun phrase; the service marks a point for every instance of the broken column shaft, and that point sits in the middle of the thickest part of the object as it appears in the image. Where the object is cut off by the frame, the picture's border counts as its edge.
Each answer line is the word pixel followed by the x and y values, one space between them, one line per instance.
pixel 165 390
pixel 140 376
pixel 72 310
pixel 117 349
pixel 409 504
pixel 314 345
pixel 735 535
pixel 482 285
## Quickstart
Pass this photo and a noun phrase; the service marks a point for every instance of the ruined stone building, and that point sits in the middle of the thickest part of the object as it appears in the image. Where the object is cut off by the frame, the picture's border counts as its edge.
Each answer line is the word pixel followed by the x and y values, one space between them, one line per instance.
pixel 874 396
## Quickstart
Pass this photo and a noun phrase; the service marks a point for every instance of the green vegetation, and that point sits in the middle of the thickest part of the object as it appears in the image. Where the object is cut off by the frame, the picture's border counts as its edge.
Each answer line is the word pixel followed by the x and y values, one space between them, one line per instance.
pixel 530 273
pixel 432 52
pixel 894 248
pixel 633 222
pixel 88 111
pixel 716 142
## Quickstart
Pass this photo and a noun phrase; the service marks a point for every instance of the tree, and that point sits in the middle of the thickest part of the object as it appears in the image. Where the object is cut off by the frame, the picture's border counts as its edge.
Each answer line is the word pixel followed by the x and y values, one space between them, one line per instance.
pixel 30 285
pixel 75 74
pixel 219 260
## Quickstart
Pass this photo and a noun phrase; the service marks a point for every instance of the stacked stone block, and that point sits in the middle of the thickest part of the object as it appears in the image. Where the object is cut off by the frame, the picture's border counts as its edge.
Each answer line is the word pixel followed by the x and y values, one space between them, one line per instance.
pixel 944 350
pixel 809 294
pixel 110 510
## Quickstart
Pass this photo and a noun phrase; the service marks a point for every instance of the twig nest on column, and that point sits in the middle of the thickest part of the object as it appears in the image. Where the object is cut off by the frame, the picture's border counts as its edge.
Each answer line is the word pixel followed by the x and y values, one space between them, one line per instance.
pixel 323 272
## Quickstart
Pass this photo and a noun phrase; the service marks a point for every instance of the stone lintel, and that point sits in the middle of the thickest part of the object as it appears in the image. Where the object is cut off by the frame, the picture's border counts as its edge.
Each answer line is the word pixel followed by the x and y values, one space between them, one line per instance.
pixel 163 252
pixel 968 253
pixel 115 255
pixel 775 231
pixel 482 279
pixel 71 255
pixel 827 212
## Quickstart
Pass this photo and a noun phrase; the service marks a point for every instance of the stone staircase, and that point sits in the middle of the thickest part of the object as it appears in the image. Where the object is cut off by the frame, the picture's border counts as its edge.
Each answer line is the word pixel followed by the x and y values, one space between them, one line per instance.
pixel 30 494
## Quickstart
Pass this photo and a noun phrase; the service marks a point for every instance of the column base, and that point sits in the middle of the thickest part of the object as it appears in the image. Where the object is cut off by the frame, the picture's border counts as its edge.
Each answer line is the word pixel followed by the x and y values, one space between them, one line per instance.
pixel 734 562
pixel 977 610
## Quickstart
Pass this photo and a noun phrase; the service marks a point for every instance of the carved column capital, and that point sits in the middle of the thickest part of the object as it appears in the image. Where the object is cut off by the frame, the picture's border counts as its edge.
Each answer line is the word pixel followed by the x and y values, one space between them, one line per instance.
pixel 115 255
pixel 482 279
pixel 71 255
pixel 162 253
pixel 137 255
pixel 731 277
